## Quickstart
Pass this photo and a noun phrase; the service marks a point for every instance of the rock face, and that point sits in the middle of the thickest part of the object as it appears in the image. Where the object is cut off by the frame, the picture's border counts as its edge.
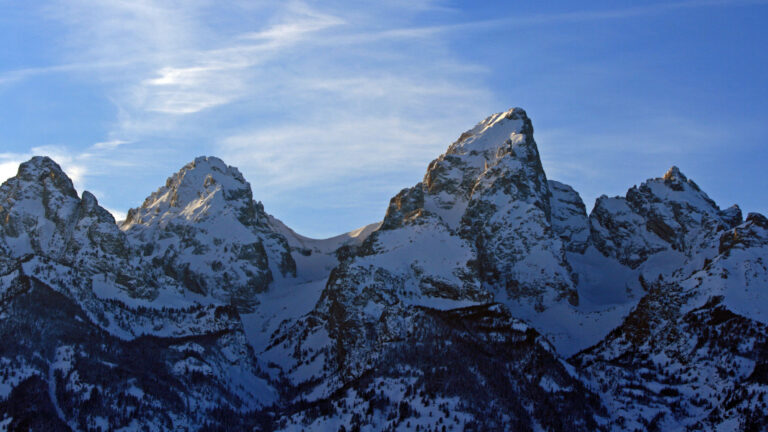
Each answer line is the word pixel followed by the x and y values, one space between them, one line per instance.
pixel 68 373
pixel 663 213
pixel 508 216
pixel 569 217
pixel 486 299
pixel 204 228
pixel 473 368
pixel 42 214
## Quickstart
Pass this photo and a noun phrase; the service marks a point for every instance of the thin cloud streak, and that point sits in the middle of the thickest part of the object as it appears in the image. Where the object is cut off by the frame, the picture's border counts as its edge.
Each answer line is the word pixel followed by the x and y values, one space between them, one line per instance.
pixel 109 145
pixel 534 20
pixel 377 117
pixel 175 89
pixel 279 35
pixel 13 76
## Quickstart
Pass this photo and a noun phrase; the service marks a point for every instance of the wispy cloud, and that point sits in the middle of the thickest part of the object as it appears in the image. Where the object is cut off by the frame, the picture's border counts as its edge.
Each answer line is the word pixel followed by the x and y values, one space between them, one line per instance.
pixel 522 21
pixel 166 59
pixel 176 62
pixel 8 168
pixel 359 105
pixel 299 21
pixel 10 77
pixel 109 145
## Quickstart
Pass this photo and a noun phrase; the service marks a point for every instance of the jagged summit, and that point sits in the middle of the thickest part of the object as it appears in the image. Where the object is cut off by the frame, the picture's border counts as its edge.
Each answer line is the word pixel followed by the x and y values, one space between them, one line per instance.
pixel 501 129
pixel 44 171
pixel 569 217
pixel 206 188
pixel 204 185
pixel 204 225
pixel 40 164
pixel 757 219
pixel 674 174
pixel 43 215
pixel 496 154
pixel 676 180
pixel 670 212
pixel 490 190
pixel 676 186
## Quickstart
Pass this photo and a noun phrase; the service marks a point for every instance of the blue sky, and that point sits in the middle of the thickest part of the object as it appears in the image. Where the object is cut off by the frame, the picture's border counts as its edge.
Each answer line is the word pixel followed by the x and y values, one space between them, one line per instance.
pixel 330 108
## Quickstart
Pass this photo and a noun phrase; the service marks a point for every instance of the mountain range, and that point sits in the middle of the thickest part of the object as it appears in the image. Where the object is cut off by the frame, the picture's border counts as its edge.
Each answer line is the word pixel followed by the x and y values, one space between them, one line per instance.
pixel 486 298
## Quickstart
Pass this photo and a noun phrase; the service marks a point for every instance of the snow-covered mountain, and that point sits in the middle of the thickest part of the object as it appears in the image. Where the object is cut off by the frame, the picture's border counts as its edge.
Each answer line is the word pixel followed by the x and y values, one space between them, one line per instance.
pixel 204 228
pixel 43 215
pixel 486 298
pixel 94 336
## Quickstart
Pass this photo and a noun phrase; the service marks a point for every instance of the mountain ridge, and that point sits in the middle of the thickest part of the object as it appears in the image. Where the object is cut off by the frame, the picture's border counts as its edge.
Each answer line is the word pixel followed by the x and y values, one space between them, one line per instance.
pixel 486 276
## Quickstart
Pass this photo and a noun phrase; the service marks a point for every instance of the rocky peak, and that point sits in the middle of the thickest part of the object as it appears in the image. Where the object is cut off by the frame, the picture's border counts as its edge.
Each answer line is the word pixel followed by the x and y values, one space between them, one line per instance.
pixel 40 188
pixel 206 230
pixel 496 132
pixel 36 207
pixel 498 155
pixel 674 174
pixel 202 187
pixel 753 232
pixel 509 211
pixel 43 215
pixel 42 171
pixel 89 205
pixel 732 216
pixel 670 212
pixel 758 219
pixel 490 188
pixel 673 186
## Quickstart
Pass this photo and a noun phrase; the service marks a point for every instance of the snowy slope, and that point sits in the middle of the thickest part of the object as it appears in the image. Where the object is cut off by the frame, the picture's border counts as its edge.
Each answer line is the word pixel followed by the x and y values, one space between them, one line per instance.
pixel 692 352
